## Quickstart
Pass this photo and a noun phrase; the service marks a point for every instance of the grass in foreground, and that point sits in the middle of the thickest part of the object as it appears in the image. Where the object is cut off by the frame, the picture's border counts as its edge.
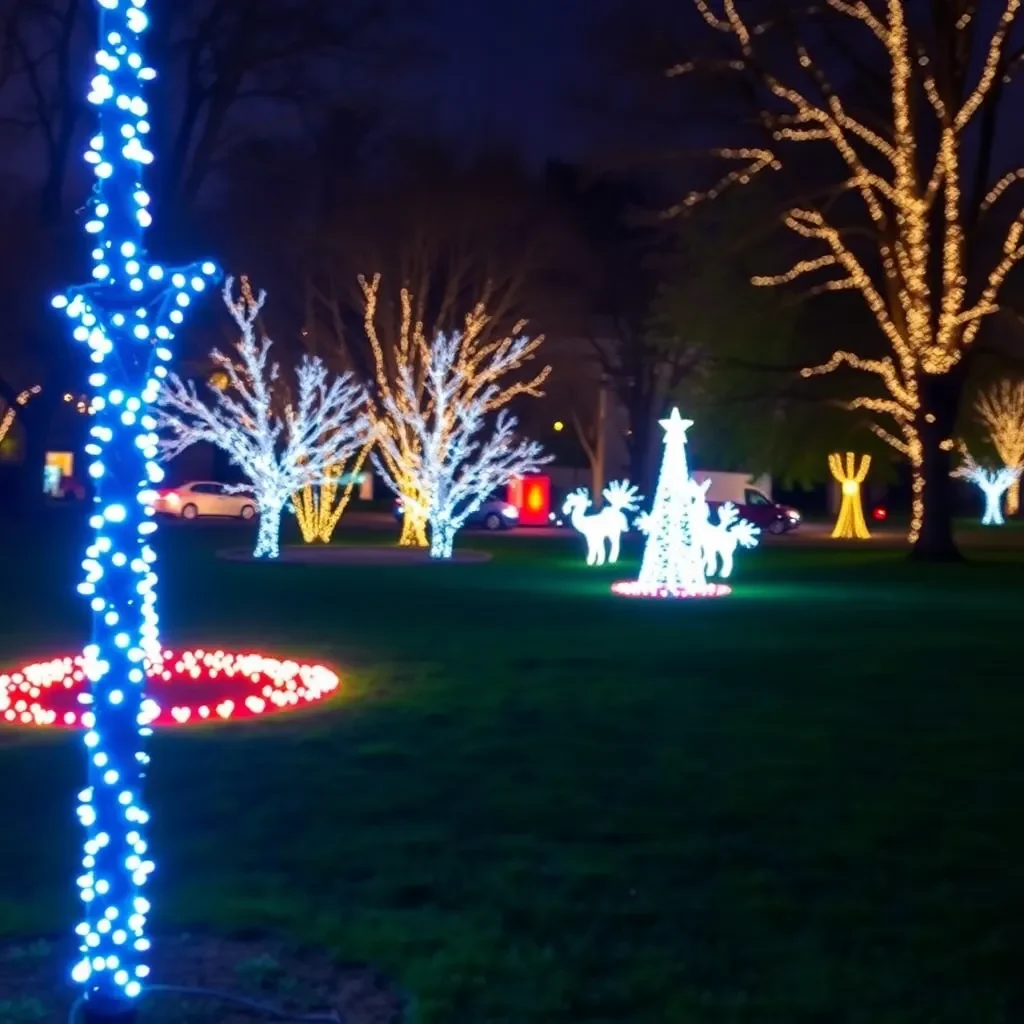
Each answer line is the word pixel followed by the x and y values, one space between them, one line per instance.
pixel 535 802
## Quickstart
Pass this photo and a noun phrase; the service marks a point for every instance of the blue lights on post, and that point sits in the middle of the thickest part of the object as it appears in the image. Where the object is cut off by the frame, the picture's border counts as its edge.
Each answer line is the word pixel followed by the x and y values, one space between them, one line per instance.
pixel 127 316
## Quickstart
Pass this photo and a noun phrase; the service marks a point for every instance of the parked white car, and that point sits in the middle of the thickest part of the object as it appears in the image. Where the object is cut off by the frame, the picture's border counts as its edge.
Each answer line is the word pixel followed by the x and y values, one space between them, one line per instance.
pixel 205 498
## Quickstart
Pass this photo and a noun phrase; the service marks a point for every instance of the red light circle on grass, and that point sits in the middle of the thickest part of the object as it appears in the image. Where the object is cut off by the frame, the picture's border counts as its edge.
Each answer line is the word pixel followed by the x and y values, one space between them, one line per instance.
pixel 182 688
pixel 631 588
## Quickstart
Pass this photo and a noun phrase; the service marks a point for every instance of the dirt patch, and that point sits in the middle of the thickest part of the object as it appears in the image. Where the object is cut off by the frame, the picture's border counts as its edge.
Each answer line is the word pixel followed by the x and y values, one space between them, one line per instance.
pixel 333 554
pixel 35 987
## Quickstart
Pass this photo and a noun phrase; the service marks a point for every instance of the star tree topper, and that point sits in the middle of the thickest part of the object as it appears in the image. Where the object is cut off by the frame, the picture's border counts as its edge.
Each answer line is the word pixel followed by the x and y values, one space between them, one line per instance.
pixel 675 428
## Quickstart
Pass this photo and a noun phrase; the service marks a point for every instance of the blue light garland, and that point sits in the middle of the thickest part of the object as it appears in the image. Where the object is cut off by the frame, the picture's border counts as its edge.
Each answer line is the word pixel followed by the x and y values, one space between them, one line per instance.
pixel 127 316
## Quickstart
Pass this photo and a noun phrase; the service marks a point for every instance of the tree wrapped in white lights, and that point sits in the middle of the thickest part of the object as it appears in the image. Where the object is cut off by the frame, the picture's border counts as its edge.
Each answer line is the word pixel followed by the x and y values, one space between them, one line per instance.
pixel 480 365
pixel 993 483
pixel 1001 409
pixel 923 168
pixel 455 467
pixel 280 445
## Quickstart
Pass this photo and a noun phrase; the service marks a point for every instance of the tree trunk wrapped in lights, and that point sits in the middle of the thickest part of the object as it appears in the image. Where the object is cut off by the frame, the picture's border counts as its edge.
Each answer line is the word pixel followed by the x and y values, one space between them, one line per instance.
pixel 850 524
pixel 127 316
pixel 926 197
pixel 318 509
pixel 1001 409
pixel 281 446
pixel 466 369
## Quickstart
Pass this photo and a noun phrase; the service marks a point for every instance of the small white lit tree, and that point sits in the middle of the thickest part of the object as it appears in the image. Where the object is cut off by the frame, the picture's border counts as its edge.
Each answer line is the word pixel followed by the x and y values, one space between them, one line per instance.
pixel 454 468
pixel 280 445
pixel 993 483
pixel 1001 409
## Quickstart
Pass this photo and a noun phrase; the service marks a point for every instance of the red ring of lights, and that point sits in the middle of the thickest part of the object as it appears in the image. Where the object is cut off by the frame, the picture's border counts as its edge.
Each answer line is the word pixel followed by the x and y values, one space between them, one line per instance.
pixel 631 588
pixel 182 688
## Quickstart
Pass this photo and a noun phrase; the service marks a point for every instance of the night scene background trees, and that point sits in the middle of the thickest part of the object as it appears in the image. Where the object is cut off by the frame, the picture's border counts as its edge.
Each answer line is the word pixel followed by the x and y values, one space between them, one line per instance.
pixel 692 202
pixel 621 243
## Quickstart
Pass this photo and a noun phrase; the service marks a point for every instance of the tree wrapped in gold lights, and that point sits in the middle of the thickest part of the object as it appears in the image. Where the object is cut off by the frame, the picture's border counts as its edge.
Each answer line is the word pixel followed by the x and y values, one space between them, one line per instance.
pixel 482 365
pixel 850 525
pixel 1001 409
pixel 318 509
pixel 921 170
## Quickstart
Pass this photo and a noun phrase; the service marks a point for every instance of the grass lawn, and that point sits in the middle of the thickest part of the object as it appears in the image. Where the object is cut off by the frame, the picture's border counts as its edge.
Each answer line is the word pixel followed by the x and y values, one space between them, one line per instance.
pixel 534 802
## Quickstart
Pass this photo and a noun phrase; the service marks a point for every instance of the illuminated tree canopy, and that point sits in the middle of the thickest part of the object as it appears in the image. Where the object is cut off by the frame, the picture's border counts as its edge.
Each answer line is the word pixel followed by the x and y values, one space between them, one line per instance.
pixel 921 171
pixel 282 446
pixel 481 374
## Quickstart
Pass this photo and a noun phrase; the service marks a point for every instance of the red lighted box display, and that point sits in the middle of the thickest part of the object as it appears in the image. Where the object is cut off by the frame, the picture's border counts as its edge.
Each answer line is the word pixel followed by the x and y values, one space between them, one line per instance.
pixel 532 496
pixel 181 688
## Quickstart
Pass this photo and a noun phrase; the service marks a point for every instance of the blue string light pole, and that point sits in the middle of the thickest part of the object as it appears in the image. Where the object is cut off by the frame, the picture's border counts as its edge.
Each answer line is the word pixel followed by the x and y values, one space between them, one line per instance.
pixel 127 316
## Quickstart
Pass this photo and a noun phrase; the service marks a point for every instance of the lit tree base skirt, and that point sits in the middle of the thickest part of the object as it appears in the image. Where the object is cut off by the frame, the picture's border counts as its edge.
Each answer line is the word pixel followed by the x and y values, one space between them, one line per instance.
pixel 185 688
pixel 631 588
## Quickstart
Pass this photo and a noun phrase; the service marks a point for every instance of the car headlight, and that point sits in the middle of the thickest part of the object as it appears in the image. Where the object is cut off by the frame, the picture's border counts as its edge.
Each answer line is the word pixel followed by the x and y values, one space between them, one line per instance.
pixel 794 515
pixel 510 512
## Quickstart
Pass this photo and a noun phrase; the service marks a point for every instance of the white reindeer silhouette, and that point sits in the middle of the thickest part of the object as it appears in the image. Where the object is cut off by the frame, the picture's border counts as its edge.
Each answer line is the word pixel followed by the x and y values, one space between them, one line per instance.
pixel 718 541
pixel 608 525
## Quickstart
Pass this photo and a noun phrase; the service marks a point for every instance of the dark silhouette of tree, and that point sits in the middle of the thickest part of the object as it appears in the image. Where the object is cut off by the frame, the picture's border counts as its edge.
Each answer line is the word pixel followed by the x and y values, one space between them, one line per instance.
pixel 618 279
pixel 454 235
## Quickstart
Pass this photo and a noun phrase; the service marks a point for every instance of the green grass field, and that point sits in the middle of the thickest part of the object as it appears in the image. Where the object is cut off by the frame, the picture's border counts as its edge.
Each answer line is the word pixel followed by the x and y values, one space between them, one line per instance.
pixel 534 802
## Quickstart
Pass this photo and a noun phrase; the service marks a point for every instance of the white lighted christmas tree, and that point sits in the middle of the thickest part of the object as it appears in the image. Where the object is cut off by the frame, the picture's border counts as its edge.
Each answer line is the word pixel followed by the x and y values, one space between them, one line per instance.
pixel 680 537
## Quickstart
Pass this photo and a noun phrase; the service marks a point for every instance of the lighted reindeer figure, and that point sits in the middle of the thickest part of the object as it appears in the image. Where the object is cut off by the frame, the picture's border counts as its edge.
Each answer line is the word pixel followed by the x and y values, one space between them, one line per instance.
pixel 606 526
pixel 718 541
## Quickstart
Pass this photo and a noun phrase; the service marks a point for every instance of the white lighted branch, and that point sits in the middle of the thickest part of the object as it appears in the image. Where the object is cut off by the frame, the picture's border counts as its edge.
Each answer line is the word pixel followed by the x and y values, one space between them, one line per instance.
pixel 482 369
pixel 914 180
pixel 458 462
pixel 280 445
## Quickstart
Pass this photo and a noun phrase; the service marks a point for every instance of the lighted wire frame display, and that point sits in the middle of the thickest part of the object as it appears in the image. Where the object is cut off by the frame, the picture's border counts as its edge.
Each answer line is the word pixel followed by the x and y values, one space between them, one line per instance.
pixel 127 316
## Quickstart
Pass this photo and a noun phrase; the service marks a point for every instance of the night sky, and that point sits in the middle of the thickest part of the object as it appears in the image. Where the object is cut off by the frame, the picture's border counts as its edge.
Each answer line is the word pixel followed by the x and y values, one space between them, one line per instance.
pixel 508 68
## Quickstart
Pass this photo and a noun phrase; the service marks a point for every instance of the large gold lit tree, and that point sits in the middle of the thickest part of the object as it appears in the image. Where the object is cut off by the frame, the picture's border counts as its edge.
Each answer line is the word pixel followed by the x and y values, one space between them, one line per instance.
pixel 920 166
pixel 485 364
pixel 1001 409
